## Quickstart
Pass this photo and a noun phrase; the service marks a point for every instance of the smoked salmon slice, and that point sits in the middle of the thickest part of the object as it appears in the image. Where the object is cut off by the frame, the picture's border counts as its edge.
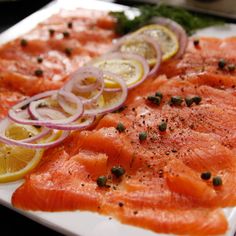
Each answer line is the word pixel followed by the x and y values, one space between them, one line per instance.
pixel 204 58
pixel 162 188
pixel 53 50
pixel 8 98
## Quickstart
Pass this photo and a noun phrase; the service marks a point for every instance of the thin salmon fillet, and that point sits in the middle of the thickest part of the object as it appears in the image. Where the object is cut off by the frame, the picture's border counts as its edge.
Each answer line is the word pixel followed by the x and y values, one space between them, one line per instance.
pixel 62 52
pixel 204 59
pixel 8 98
pixel 162 189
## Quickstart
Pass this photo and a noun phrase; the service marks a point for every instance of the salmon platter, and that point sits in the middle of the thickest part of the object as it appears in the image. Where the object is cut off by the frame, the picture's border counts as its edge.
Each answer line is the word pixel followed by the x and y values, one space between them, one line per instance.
pixel 110 133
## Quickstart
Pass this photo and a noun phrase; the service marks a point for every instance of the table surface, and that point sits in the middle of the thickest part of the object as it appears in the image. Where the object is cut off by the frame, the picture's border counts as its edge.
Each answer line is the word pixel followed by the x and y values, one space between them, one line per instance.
pixel 10 14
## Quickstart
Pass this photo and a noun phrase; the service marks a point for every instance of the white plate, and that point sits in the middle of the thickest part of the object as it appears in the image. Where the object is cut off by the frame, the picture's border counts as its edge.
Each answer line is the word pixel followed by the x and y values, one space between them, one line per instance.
pixel 77 222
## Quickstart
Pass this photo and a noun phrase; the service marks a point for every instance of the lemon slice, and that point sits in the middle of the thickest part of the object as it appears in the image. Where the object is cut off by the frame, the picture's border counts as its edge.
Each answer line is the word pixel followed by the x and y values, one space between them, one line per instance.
pixel 18 132
pixel 96 104
pixel 16 161
pixel 165 37
pixel 140 46
pixel 130 70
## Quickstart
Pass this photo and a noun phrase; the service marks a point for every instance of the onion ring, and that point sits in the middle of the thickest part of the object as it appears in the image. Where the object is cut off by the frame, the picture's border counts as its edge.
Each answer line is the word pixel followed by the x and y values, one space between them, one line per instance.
pixel 177 29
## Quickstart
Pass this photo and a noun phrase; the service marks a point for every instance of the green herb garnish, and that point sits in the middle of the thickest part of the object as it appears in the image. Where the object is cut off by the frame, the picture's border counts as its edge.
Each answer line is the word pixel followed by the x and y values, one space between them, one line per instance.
pixel 190 21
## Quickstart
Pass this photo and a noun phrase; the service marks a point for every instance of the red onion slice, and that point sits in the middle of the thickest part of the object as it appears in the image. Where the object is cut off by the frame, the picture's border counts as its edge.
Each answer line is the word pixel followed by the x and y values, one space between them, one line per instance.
pixel 33 102
pixel 25 103
pixel 75 84
pixel 177 29
pixel 77 78
pixel 66 101
pixel 50 113
pixel 23 143
pixel 155 45
pixel 89 119
pixel 126 56
pixel 79 110
pixel 113 106
pixel 17 115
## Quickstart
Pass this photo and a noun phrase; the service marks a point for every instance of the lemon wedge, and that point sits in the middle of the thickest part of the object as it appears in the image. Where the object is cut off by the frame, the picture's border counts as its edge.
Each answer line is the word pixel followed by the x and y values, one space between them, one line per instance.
pixel 130 70
pixel 165 37
pixel 16 161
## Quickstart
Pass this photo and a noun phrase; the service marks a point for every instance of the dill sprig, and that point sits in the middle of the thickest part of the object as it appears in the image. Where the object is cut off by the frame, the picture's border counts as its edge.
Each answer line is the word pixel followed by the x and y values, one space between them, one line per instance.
pixel 190 21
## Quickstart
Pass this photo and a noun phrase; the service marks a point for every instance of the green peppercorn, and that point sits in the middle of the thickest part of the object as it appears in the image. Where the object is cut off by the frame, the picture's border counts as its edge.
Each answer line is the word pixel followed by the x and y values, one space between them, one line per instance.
pixel 155 100
pixel 66 34
pixel 69 25
pixel 118 171
pixel 68 51
pixel 159 94
pixel 39 59
pixel 162 126
pixel 120 127
pixel 189 101
pixel 102 181
pixel 196 42
pixel 51 32
pixel 217 181
pixel 23 42
pixel 231 67
pixel 176 100
pixel 206 175
pixel 221 63
pixel 142 136
pixel 38 72
pixel 197 99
